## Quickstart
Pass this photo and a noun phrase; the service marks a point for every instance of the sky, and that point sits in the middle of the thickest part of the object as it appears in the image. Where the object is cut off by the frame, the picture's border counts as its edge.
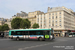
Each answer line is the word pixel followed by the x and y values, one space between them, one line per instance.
pixel 9 8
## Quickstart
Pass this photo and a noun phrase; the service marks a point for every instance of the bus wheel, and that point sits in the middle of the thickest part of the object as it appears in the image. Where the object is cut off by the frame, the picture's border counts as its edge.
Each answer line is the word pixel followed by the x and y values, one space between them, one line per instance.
pixel 17 39
pixel 40 39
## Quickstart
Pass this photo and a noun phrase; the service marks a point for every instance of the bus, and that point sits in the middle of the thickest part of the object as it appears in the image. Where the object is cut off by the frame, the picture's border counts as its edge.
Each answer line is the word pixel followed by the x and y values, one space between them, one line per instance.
pixel 40 34
pixel 72 34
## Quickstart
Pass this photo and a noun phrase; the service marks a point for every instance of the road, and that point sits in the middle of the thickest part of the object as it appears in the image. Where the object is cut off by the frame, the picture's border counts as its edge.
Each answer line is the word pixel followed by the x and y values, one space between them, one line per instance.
pixel 60 43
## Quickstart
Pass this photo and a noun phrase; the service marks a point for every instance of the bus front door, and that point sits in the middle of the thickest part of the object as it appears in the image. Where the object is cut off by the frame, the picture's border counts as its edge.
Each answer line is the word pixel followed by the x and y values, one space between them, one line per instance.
pixel 46 35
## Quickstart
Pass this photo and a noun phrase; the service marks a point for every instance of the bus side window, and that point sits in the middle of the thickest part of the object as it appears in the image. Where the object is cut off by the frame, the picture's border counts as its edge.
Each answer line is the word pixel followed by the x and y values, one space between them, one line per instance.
pixel 26 33
pixel 32 32
pixel 39 32
pixel 19 32
pixel 12 32
pixel 46 32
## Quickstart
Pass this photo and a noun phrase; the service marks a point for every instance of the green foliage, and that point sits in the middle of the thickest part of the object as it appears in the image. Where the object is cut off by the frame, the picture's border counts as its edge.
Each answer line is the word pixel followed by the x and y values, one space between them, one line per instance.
pixel 25 23
pixel 4 27
pixel 28 23
pixel 15 23
pixel 35 25
pixel 0 27
pixel 20 23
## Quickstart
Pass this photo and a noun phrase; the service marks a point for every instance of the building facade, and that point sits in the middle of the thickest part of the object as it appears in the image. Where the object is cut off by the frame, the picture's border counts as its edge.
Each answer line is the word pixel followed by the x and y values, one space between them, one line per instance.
pixel 32 16
pixel 9 23
pixel 23 15
pixel 2 21
pixel 60 19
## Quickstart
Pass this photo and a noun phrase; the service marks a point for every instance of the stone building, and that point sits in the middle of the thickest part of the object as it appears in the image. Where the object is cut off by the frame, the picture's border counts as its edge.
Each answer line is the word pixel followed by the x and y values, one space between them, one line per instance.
pixel 60 19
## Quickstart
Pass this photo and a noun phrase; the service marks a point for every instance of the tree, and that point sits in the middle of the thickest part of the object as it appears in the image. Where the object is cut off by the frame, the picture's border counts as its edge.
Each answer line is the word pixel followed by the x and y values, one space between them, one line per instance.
pixel 35 25
pixel 4 27
pixel 15 23
pixel 0 27
pixel 25 23
pixel 28 23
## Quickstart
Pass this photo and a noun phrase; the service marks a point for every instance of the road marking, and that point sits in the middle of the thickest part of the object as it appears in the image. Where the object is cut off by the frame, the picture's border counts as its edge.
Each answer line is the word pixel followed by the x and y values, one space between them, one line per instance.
pixel 60 40
pixel 41 45
pixel 35 46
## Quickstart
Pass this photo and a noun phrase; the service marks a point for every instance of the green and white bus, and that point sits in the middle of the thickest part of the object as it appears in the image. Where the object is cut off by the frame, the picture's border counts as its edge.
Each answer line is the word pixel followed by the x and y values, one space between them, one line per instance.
pixel 72 34
pixel 40 34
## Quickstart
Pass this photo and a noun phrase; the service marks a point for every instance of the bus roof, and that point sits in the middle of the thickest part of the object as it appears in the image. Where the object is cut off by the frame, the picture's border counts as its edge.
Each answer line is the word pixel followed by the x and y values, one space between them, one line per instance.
pixel 29 29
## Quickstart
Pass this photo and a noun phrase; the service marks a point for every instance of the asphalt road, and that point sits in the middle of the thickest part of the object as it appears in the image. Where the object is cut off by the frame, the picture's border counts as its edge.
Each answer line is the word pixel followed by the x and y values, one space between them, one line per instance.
pixel 60 43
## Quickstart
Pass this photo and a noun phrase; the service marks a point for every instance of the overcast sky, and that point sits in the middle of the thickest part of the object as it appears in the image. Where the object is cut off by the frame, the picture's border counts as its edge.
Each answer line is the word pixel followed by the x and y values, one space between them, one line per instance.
pixel 8 8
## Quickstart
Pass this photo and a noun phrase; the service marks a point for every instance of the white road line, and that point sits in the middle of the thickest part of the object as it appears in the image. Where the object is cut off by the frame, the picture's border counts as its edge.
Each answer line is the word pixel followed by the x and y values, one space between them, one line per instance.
pixel 60 40
pixel 34 46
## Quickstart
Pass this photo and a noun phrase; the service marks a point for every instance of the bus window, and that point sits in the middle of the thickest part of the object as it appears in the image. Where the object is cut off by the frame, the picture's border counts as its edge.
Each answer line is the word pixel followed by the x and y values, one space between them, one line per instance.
pixel 39 32
pixel 26 33
pixel 19 32
pixel 46 32
pixel 32 32
pixel 12 33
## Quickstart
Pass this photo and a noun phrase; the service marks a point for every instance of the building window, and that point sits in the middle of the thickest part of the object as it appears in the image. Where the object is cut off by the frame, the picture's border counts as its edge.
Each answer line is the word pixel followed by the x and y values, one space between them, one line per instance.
pixel 49 21
pixel 38 19
pixel 60 20
pixel 56 20
pixel 60 24
pixel 56 23
pixel 53 21
pixel 49 14
pixel 41 18
pixel 44 25
pixel 44 18
pixel 41 22
pixel 41 25
pixel 38 22
pixel 56 16
pixel 56 13
pixel 49 25
pixel 44 15
pixel 53 14
pixel 41 15
pixel 38 15
pixel 49 17
pixel 52 17
pixel 52 24
pixel 60 13
pixel 44 22
pixel 60 16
